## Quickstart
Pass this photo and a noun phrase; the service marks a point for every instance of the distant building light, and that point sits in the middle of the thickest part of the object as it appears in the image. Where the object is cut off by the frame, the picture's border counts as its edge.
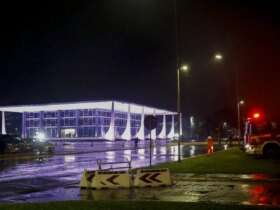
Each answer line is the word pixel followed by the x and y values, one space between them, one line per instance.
pixel 192 121
pixel 40 136
pixel 176 136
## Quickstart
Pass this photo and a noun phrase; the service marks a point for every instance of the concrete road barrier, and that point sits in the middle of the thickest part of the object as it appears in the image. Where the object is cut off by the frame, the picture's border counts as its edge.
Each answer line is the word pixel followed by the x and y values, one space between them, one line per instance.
pixel 105 179
pixel 86 179
pixel 152 178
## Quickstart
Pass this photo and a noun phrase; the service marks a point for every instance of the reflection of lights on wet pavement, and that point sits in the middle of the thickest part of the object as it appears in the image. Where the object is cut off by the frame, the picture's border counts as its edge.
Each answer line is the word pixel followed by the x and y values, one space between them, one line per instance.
pixel 245 176
pixel 141 154
pixel 260 177
pixel 192 151
pixel 246 203
pixel 163 150
pixel 110 155
pixel 127 154
pixel 68 146
pixel 154 151
pixel 265 194
pixel 69 158
pixel 245 186
pixel 174 152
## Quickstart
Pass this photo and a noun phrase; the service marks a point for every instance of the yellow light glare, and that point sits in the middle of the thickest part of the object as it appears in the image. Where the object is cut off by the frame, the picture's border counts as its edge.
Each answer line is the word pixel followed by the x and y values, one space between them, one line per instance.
pixel 185 68
pixel 218 56
pixel 242 102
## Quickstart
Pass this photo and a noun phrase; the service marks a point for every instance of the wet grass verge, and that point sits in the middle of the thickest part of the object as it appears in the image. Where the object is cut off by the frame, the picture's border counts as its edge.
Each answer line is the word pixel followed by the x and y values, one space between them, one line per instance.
pixel 132 205
pixel 232 161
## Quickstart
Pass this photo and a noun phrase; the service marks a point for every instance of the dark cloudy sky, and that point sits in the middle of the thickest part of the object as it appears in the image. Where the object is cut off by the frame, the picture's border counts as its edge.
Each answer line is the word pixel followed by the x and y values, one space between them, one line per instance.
pixel 55 51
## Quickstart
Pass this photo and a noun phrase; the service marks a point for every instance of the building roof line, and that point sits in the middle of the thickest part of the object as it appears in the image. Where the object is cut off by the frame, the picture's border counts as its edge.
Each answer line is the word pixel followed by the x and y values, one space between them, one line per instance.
pixel 106 104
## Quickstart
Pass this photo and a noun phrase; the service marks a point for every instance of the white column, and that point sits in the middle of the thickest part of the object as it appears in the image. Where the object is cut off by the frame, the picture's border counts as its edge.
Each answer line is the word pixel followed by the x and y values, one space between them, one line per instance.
pixel 113 121
pixel 171 132
pixel 141 133
pixel 154 132
pixel 162 134
pixel 3 131
pixel 110 135
pixel 127 132
pixel 102 130
pixel 23 127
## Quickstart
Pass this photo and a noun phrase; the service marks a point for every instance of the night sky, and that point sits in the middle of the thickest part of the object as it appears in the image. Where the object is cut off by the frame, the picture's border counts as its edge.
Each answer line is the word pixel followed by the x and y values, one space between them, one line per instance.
pixel 66 51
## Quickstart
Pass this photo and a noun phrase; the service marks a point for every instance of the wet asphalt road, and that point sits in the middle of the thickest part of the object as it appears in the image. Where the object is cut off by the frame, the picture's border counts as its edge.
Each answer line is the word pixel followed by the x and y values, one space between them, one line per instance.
pixel 22 178
pixel 57 177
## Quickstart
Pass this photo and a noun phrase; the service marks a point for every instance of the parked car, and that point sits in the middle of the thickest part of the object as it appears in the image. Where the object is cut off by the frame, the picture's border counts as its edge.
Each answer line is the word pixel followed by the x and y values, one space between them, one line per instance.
pixel 9 143
pixel 15 144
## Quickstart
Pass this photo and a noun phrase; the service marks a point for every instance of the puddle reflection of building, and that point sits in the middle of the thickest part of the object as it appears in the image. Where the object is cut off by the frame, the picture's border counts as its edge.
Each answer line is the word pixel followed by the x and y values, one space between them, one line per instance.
pixel 69 158
pixel 101 195
pixel 265 194
pixel 68 146
pixel 110 155
pixel 141 154
pixel 155 152
pixel 192 150
pixel 127 154
pixel 225 147
pixel 163 150
pixel 174 152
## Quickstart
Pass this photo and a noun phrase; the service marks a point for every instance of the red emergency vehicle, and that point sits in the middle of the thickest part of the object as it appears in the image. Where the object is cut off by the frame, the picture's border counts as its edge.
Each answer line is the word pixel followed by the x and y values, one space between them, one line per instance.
pixel 261 137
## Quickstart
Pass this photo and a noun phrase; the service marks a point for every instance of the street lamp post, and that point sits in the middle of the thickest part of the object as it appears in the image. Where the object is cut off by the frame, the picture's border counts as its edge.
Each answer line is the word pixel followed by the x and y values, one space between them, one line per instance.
pixel 219 57
pixel 178 63
pixel 240 103
pixel 184 68
pixel 179 113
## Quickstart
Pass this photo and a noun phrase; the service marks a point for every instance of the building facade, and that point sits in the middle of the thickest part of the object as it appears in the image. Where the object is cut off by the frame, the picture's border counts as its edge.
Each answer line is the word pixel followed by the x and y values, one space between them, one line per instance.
pixel 108 120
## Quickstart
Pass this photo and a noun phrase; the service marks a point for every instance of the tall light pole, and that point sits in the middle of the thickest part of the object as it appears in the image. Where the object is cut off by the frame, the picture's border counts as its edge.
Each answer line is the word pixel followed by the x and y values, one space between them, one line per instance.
pixel 219 57
pixel 184 68
pixel 240 103
pixel 178 67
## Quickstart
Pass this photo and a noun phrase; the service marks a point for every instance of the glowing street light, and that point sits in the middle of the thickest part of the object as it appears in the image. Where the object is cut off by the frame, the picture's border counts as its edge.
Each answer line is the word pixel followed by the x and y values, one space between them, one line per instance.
pixel 40 136
pixel 218 57
pixel 185 68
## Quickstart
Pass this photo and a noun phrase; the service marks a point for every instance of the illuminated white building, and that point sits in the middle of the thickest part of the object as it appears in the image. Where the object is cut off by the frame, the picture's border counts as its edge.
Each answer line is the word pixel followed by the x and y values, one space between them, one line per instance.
pixel 107 120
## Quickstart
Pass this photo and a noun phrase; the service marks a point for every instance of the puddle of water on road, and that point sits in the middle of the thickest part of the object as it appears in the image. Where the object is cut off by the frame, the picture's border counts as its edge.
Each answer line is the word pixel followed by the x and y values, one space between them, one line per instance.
pixel 220 192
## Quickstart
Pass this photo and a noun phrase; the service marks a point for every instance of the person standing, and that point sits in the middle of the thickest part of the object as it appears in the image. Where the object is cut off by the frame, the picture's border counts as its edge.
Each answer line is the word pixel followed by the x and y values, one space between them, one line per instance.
pixel 210 145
